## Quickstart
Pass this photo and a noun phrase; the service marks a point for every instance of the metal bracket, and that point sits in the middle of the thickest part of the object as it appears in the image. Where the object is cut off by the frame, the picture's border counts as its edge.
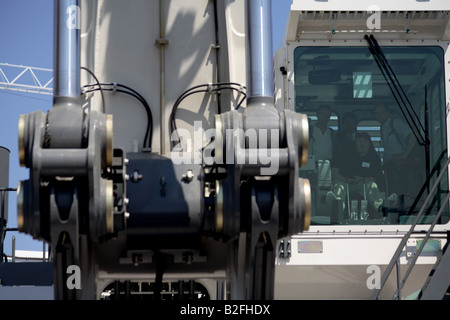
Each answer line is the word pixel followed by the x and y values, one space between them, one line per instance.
pixel 162 41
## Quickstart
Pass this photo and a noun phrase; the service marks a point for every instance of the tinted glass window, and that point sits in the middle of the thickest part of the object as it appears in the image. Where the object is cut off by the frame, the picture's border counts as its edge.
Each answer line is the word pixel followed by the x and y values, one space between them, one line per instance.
pixel 370 119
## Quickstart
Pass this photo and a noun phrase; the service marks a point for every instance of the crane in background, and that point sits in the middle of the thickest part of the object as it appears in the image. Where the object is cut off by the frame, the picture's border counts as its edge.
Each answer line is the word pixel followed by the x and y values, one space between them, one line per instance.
pixel 26 79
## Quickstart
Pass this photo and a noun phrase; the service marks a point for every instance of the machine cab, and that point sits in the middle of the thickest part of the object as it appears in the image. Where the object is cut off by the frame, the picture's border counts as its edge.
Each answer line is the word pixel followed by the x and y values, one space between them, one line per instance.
pixel 379 77
pixel 373 81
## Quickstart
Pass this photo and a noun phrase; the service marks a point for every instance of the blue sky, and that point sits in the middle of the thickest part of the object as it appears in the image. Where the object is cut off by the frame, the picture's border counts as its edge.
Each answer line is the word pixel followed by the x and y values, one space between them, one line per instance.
pixel 26 38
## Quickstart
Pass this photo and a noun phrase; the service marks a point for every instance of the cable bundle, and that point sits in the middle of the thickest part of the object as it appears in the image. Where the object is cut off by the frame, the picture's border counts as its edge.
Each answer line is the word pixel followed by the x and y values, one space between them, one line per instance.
pixel 117 87
pixel 205 88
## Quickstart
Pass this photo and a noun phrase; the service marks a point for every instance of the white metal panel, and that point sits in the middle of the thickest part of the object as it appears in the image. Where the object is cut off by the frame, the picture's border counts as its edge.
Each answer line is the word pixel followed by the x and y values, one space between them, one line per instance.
pixel 236 31
pixel 119 45
pixel 340 282
pixel 387 24
pixel 335 19
pixel 280 79
pixel 355 249
pixel 345 264
pixel 363 5
pixel 121 49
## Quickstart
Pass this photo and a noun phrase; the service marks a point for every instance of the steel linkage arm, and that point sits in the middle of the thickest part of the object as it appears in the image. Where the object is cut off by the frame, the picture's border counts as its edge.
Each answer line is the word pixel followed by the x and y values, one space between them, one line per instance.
pixel 67 198
pixel 262 199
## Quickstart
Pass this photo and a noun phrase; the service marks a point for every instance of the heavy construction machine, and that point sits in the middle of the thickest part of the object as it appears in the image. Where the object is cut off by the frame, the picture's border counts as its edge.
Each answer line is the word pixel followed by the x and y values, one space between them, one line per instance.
pixel 169 164
pixel 163 163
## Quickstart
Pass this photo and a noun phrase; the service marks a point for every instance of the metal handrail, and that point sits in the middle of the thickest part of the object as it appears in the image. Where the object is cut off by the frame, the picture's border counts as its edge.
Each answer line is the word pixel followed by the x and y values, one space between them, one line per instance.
pixel 419 251
pixel 396 257
pixel 426 185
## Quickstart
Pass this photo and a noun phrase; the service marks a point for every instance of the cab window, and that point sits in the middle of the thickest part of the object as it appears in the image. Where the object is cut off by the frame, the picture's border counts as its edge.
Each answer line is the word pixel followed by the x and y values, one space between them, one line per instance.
pixel 378 123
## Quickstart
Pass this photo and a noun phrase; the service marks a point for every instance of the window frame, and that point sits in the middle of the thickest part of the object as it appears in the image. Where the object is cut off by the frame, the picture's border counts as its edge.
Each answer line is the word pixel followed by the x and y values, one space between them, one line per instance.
pixel 386 228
